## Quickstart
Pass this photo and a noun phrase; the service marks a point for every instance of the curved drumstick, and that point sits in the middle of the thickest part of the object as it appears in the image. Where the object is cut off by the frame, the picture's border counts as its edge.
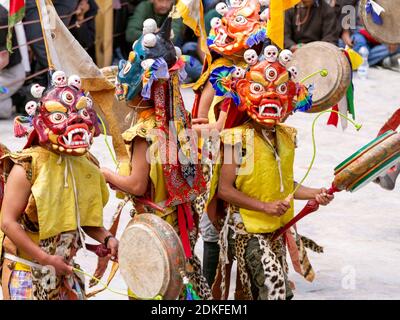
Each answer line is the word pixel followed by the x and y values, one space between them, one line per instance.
pixel 311 206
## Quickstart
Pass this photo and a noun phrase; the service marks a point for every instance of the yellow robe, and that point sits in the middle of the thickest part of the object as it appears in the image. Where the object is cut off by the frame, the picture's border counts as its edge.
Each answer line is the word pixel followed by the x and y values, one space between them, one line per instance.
pixel 57 181
pixel 258 175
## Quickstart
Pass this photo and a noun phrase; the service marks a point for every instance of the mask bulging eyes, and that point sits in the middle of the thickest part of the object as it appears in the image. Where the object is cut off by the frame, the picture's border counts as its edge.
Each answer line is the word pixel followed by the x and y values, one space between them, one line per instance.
pixel 240 20
pixel 256 88
pixel 84 114
pixel 282 89
pixel 271 74
pixel 67 97
pixel 58 117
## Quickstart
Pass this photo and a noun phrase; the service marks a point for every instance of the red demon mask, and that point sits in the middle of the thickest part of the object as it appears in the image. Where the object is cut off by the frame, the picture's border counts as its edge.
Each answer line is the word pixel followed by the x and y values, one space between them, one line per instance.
pixel 65 121
pixel 267 92
pixel 240 28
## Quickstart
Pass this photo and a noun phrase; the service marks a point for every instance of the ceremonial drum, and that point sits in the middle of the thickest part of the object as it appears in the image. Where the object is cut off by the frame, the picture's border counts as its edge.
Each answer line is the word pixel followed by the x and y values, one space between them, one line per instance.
pixel 368 162
pixel 388 32
pixel 320 55
pixel 151 258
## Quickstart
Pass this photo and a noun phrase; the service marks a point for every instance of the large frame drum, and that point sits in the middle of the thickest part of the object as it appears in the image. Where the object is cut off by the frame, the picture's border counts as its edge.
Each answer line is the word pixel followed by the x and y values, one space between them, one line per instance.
pixel 318 55
pixel 151 258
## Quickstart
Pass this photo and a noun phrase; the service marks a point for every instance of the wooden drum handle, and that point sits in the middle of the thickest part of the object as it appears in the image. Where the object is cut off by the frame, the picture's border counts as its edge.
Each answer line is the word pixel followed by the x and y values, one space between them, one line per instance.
pixel 311 206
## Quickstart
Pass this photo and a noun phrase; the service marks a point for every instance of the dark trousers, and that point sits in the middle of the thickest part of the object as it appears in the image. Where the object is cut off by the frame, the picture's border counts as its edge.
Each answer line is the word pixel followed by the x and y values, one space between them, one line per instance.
pixel 210 261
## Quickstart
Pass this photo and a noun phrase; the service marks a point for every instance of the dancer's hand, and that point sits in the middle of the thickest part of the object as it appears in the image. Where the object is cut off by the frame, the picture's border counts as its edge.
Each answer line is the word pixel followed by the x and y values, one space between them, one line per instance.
pixel 105 172
pixel 112 244
pixel 59 264
pixel 200 121
pixel 276 208
pixel 323 198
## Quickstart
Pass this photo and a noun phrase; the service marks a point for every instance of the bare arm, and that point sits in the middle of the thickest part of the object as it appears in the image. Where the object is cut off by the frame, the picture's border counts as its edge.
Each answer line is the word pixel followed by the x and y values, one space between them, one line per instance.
pixel 16 196
pixel 307 193
pixel 100 234
pixel 228 192
pixel 206 99
pixel 136 183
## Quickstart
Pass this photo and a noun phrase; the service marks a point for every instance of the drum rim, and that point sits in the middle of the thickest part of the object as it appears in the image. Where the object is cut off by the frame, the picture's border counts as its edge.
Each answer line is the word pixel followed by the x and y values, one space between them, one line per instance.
pixel 343 69
pixel 367 23
pixel 144 218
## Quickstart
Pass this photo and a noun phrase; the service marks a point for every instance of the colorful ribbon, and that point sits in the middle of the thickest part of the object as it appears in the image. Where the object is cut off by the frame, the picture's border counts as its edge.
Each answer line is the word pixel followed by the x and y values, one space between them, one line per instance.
pixel 375 10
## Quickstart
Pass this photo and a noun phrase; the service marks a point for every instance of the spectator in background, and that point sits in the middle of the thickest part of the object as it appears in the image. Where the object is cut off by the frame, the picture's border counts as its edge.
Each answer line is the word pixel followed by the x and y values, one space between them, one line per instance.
pixel 357 37
pixel 122 10
pixel 34 31
pixel 85 31
pixel 157 10
pixel 311 20
pixel 12 72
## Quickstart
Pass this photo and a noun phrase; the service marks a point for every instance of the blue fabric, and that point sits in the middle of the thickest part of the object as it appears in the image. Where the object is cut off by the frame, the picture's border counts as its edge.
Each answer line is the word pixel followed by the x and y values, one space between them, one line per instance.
pixel 375 17
pixel 194 67
pixel 376 52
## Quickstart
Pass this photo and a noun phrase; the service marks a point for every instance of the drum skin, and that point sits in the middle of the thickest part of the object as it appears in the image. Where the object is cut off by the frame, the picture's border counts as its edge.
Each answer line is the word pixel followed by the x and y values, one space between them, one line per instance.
pixel 388 32
pixel 318 55
pixel 365 164
pixel 151 258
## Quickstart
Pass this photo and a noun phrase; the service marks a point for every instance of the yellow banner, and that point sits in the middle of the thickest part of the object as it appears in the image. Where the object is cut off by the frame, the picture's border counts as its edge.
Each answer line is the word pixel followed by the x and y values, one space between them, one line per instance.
pixel 276 24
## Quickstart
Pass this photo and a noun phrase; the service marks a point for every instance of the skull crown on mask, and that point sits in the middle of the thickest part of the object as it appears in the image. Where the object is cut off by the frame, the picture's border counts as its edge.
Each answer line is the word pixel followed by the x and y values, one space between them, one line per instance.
pixel 267 92
pixel 149 47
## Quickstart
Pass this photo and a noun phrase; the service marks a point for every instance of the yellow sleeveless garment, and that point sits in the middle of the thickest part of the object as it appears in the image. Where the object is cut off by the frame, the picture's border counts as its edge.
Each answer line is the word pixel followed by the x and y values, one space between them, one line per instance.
pixel 52 201
pixel 144 128
pixel 258 176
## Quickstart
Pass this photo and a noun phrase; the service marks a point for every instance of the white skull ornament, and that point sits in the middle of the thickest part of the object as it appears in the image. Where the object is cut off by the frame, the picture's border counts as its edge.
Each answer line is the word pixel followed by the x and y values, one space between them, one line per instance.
pixel 271 53
pixel 30 108
pixel 37 91
pixel 238 73
pixel 59 79
pixel 250 56
pixel 285 57
pixel 293 72
pixel 215 23
pixel 149 26
pixel 264 16
pixel 149 40
pixel 75 81
pixel 221 8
